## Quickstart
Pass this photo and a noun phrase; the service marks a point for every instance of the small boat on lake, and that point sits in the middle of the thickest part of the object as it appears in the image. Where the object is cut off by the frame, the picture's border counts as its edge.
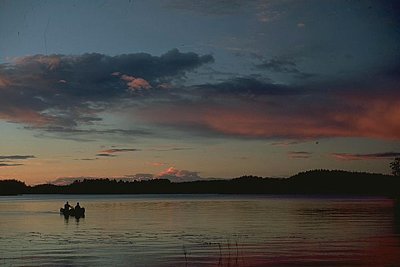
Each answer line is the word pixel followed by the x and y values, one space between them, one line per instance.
pixel 77 213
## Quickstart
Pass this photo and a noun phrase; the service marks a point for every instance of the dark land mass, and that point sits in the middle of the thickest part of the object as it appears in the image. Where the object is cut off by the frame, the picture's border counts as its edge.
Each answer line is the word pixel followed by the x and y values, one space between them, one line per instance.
pixel 319 182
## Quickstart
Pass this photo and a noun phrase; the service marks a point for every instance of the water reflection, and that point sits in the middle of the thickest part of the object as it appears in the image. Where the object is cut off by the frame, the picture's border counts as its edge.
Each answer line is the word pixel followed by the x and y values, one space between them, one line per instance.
pixel 396 215
pixel 66 218
pixel 76 219
pixel 201 231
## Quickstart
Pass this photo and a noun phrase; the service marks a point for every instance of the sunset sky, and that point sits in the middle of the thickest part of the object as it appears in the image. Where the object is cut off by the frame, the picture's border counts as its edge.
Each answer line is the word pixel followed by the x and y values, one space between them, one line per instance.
pixel 193 89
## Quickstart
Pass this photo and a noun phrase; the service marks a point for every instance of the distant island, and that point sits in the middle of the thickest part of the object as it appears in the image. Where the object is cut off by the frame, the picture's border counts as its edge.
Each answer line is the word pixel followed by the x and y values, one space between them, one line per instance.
pixel 315 182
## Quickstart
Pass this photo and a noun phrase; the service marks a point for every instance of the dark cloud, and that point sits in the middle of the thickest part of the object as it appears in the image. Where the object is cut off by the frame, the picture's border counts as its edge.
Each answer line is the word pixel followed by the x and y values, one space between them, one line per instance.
pixel 10 164
pixel 88 134
pixel 279 65
pixel 372 156
pixel 119 150
pixel 361 106
pixel 17 157
pixel 9 160
pixel 112 151
pixel 65 91
pixel 65 95
pixel 283 66
pixel 246 87
pixel 105 155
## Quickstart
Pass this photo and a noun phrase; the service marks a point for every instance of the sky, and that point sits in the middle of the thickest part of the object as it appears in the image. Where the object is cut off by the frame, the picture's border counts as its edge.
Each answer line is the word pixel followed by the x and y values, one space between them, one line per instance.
pixel 197 89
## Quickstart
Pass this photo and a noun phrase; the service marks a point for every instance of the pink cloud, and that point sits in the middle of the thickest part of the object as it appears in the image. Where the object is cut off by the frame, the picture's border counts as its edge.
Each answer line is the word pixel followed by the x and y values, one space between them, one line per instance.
pixel 69 91
pixel 376 118
pixel 136 83
pixel 25 116
pixel 245 108
pixel 4 82
pixel 372 156
pixel 290 118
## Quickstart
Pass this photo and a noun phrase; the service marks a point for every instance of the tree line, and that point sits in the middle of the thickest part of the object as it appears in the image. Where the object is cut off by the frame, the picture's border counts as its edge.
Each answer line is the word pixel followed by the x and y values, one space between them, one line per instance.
pixel 324 182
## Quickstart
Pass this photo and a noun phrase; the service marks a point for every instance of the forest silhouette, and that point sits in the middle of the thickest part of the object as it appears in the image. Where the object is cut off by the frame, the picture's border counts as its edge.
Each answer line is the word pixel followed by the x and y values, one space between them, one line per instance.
pixel 320 182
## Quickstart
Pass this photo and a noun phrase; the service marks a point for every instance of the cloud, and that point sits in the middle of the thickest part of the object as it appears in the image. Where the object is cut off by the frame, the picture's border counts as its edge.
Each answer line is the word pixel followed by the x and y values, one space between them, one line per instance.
pixel 10 164
pixel 299 154
pixel 176 175
pixel 283 66
pixel 105 155
pixel 17 157
pixel 135 83
pixel 4 82
pixel 111 152
pixel 119 150
pixel 246 87
pixel 251 108
pixel 87 134
pixel 242 107
pixel 279 65
pixel 373 156
pixel 9 160
pixel 66 91
pixel 95 131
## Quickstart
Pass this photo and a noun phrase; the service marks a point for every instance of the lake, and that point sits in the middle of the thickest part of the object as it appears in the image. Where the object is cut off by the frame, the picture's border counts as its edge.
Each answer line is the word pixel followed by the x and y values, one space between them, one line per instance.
pixel 199 230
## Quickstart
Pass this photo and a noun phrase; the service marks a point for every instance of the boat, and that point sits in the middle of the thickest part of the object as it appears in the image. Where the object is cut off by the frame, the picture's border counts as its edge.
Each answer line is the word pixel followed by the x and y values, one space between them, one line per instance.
pixel 77 213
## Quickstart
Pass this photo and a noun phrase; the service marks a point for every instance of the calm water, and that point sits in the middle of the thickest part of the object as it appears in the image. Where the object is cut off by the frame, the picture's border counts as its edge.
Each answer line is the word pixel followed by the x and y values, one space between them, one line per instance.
pixel 196 230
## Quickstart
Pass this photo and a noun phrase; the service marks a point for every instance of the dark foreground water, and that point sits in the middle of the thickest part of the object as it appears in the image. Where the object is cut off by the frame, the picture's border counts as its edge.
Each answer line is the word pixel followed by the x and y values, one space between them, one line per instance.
pixel 200 230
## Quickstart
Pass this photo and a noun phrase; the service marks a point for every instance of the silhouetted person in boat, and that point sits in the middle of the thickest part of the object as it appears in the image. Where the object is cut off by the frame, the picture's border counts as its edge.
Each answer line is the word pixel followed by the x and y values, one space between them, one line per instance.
pixel 79 211
pixel 67 206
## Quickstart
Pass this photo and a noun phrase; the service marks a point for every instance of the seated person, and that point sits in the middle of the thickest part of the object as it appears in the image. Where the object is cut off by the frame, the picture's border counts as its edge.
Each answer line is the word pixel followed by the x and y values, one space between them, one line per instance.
pixel 67 206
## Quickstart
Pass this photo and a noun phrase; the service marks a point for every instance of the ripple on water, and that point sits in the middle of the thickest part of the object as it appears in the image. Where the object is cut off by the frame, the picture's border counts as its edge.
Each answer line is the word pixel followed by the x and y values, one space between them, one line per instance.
pixel 200 231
